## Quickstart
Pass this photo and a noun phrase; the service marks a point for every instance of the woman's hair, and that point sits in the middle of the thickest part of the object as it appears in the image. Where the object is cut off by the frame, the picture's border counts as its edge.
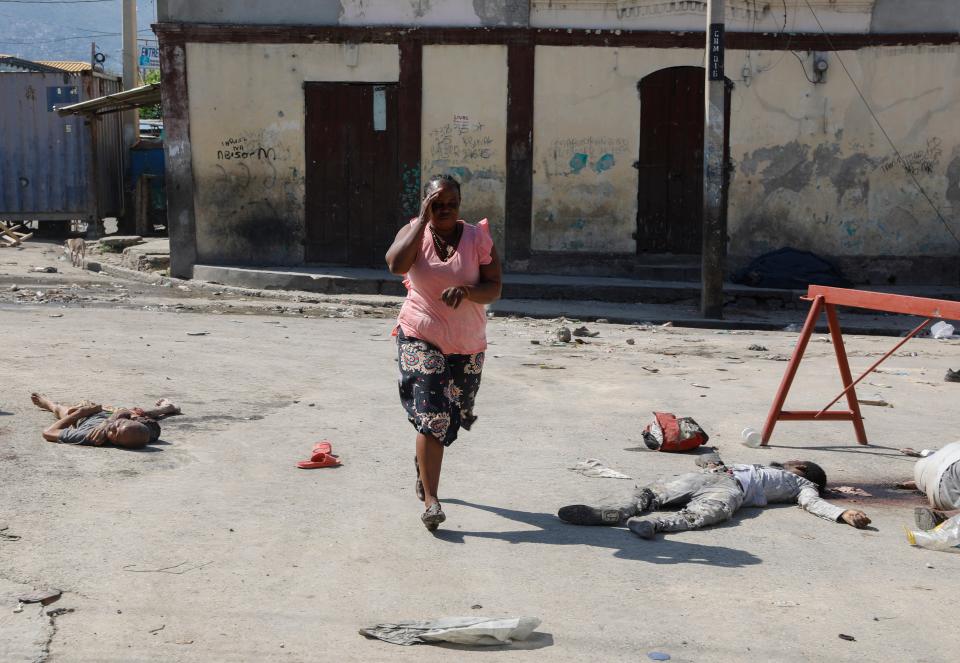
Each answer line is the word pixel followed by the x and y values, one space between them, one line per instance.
pixel 437 181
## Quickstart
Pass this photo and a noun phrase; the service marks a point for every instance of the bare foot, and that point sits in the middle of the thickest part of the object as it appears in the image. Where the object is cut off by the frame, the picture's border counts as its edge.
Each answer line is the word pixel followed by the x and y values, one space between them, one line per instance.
pixel 166 403
pixel 41 401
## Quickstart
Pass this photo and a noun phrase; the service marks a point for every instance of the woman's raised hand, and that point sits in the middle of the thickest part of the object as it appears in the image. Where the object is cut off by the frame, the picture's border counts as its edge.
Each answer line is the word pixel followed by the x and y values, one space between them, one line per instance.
pixel 426 207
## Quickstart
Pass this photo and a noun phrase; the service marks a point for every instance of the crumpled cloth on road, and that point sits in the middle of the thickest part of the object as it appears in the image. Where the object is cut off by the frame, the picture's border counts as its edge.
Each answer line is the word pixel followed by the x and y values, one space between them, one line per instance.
pixel 486 631
pixel 591 467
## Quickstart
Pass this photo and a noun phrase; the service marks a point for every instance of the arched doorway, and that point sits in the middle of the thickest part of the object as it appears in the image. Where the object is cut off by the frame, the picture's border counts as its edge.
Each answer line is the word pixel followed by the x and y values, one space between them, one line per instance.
pixel 670 166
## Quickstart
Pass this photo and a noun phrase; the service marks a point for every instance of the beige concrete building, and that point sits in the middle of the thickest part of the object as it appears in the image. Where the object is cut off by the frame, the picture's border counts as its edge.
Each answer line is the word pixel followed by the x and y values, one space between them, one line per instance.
pixel 300 132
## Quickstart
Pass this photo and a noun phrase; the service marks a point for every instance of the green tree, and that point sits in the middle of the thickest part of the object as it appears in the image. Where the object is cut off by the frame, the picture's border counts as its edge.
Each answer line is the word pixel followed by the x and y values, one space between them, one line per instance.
pixel 151 112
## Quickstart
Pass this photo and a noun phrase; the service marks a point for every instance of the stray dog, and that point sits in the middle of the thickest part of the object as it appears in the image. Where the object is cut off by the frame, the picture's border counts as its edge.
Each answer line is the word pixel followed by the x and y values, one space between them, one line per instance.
pixel 77 249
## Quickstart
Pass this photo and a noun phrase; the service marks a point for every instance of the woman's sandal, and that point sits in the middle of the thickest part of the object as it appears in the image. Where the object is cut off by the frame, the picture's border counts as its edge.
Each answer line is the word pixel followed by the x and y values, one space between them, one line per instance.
pixel 419 485
pixel 433 516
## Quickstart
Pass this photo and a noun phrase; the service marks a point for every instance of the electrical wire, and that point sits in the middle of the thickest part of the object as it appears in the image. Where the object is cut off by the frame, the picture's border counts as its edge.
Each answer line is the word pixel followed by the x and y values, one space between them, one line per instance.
pixel 51 2
pixel 780 33
pixel 803 67
pixel 900 158
pixel 50 41
pixel 86 36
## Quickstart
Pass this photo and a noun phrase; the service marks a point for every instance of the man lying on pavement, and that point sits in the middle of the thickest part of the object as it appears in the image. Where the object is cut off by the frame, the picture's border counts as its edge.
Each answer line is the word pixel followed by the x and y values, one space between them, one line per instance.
pixel 713 495
pixel 89 423
pixel 936 474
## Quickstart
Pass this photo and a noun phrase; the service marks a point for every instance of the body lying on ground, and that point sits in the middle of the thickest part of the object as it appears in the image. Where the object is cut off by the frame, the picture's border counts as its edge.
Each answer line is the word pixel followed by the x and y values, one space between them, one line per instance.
pixel 713 495
pixel 937 475
pixel 92 424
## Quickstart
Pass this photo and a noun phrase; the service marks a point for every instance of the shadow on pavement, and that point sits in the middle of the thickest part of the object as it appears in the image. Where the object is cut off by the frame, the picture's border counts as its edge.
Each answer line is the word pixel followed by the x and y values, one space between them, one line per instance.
pixel 853 447
pixel 537 640
pixel 553 531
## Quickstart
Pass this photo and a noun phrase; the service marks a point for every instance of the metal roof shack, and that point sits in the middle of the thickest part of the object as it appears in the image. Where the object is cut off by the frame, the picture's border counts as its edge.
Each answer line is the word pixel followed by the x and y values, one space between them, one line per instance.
pixel 55 168
pixel 145 95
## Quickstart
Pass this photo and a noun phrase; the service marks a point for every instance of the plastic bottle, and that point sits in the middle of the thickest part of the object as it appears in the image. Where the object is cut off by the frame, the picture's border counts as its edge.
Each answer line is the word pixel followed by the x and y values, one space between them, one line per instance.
pixel 751 438
pixel 944 537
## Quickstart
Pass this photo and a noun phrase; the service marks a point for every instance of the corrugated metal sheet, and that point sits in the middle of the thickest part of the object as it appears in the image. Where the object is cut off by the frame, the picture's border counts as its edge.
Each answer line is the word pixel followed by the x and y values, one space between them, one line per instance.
pixel 66 65
pixel 110 158
pixel 46 161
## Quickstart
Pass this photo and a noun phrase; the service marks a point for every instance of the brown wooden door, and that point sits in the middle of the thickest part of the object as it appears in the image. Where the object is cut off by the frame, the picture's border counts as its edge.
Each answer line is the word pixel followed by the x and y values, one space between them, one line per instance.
pixel 352 173
pixel 670 190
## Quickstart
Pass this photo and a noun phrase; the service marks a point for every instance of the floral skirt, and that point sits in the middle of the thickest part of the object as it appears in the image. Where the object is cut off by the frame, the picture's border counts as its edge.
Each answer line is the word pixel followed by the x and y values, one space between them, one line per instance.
pixel 437 390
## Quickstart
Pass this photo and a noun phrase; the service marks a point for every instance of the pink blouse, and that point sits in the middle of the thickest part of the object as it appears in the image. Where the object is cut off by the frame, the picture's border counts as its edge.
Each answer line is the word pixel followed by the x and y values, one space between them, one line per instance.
pixel 424 315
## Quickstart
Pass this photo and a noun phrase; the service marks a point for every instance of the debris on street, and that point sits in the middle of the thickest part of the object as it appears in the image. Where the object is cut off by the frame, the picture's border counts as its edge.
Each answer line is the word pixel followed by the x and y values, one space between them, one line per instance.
pixel 44 596
pixel 876 401
pixel 669 433
pixel 593 468
pixel 321 456
pixel 945 537
pixel 475 631
pixel 850 490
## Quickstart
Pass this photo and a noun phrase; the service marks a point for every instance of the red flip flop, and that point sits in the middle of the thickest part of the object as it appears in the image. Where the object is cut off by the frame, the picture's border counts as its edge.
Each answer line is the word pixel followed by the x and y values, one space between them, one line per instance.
pixel 319 460
pixel 323 447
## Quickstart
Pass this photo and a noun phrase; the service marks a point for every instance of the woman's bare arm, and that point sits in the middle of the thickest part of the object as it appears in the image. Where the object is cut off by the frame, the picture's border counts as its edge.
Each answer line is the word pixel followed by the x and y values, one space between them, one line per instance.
pixel 403 252
pixel 406 245
pixel 488 290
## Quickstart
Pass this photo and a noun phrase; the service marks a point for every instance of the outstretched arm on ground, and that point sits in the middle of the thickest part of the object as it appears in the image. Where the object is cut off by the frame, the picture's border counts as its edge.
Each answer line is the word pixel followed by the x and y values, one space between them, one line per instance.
pixel 811 502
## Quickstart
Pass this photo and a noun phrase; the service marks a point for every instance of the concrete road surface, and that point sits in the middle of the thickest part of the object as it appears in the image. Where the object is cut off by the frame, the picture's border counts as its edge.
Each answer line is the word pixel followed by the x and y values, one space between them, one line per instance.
pixel 213 546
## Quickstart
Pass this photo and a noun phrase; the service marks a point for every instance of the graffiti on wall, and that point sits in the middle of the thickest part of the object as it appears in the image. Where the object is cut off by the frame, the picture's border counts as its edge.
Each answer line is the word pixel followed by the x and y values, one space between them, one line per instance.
pixel 461 140
pixel 920 161
pixel 572 156
pixel 241 147
pixel 643 8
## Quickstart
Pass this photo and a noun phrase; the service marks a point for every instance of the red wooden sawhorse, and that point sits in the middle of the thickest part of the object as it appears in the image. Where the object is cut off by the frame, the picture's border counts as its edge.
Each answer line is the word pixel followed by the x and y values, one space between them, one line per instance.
pixel 827 299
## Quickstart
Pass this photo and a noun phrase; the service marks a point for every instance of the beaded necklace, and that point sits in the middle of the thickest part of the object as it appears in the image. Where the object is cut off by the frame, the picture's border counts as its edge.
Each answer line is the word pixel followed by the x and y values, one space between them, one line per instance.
pixel 445 249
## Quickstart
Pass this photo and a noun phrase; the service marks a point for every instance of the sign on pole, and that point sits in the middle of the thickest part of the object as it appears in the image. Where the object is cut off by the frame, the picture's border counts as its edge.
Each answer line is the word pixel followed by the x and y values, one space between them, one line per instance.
pixel 149 55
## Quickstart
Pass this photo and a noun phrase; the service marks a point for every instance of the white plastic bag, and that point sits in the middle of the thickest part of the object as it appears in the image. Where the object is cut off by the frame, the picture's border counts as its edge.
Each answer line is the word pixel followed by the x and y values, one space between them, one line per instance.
pixel 481 631
pixel 941 330
pixel 944 537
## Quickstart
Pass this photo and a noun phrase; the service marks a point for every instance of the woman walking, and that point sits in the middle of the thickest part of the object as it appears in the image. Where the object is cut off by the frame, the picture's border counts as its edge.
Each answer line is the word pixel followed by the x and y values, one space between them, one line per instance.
pixel 452 271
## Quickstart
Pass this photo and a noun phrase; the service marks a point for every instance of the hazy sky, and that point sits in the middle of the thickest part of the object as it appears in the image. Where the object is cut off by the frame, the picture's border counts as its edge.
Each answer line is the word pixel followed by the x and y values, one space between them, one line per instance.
pixel 64 29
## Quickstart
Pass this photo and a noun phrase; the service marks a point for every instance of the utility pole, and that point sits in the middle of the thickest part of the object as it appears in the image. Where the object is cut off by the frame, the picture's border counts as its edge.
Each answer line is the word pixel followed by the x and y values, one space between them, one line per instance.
pixel 131 119
pixel 714 181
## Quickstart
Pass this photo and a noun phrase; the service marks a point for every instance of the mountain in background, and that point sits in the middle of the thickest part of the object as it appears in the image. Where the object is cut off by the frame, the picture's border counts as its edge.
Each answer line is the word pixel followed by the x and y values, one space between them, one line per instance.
pixel 64 30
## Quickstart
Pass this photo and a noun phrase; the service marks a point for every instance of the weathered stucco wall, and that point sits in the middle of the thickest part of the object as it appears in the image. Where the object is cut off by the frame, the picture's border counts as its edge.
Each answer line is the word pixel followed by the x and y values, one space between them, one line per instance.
pixel 464 126
pixel 813 170
pixel 348 12
pixel 247 135
pixel 741 15
pixel 916 16
pixel 586 137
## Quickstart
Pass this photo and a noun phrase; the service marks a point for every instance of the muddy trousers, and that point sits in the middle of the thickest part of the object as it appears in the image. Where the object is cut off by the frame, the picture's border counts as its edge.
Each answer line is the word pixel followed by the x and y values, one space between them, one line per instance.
pixel 705 498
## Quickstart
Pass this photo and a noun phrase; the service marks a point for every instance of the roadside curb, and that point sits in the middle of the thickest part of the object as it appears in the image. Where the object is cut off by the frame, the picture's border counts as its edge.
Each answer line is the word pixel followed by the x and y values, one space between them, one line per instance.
pixel 504 308
pixel 212 287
